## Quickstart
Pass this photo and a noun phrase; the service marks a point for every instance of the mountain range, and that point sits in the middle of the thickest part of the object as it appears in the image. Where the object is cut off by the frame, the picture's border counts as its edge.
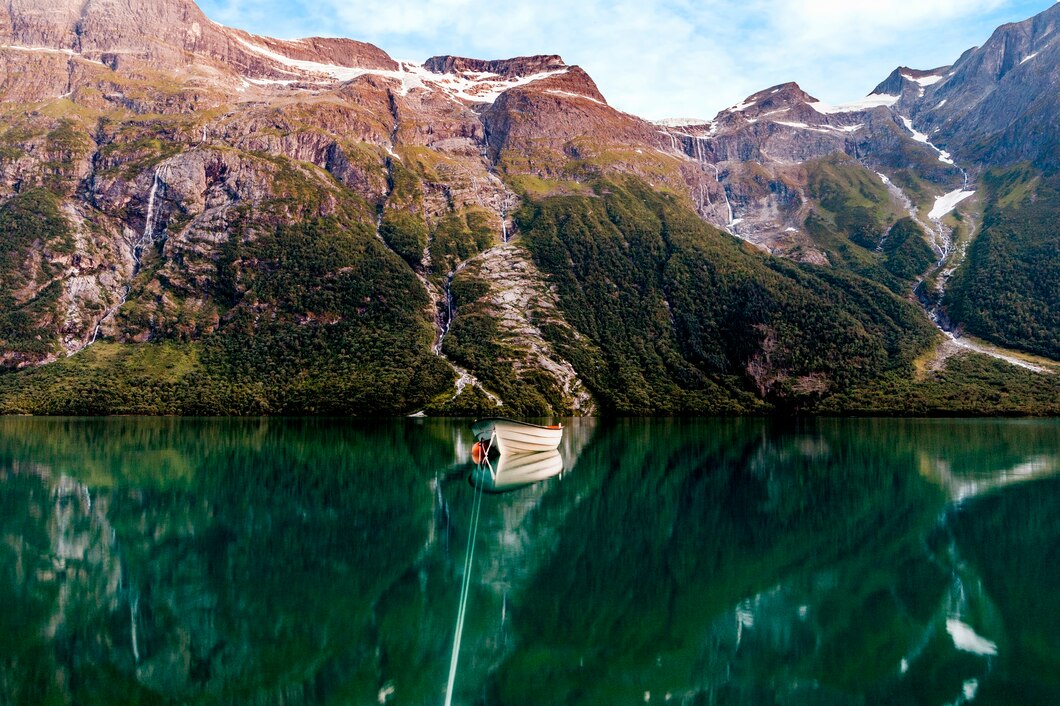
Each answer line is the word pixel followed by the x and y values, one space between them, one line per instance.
pixel 198 220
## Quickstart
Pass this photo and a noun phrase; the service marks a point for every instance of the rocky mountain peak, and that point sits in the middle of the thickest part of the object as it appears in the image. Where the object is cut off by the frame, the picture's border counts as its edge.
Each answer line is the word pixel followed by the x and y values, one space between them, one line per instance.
pixel 516 67
pixel 789 105
pixel 768 101
pixel 784 94
pixel 904 79
pixel 165 33
pixel 1008 47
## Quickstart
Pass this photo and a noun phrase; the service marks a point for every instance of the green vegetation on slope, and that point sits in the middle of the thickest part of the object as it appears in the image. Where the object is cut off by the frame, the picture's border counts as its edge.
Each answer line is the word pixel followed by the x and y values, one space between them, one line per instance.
pixel 679 318
pixel 859 226
pixel 1008 289
pixel 477 341
pixel 969 385
pixel 31 229
pixel 908 254
pixel 310 314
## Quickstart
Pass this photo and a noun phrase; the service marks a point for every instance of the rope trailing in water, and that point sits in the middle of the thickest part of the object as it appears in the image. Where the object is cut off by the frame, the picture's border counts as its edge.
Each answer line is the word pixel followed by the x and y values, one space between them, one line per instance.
pixel 464 589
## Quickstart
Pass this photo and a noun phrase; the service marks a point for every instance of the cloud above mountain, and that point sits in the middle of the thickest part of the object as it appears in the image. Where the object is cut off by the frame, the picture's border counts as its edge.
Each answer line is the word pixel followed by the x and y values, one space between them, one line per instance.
pixel 660 58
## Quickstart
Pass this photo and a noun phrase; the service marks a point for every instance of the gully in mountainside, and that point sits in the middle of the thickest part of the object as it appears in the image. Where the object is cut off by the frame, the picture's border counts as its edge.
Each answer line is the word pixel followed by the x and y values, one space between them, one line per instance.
pixel 150 235
pixel 950 256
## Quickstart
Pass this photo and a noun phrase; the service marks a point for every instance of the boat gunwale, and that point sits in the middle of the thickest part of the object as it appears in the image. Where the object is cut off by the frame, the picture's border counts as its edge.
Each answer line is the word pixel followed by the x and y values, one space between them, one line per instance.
pixel 516 421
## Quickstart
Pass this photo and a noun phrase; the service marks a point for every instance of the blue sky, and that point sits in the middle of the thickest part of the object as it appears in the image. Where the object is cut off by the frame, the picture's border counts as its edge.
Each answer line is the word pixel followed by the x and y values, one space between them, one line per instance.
pixel 661 58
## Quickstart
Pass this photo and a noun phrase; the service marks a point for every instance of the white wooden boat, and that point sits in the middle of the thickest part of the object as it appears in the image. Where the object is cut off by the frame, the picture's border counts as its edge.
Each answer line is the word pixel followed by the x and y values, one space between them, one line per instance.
pixel 510 436
pixel 514 471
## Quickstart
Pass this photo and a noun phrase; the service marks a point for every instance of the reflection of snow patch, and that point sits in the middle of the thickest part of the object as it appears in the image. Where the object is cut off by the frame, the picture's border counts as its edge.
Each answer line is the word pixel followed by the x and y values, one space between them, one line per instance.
pixel 966 639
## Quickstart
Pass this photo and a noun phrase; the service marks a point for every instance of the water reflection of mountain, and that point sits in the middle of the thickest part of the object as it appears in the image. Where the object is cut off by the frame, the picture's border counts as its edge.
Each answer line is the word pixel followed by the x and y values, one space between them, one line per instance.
pixel 153 561
pixel 241 576
pixel 755 564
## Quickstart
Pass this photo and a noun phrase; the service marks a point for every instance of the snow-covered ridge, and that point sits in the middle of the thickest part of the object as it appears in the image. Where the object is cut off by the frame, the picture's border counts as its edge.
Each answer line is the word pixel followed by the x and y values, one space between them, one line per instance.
pixel 876 100
pixel 474 87
pixel 821 128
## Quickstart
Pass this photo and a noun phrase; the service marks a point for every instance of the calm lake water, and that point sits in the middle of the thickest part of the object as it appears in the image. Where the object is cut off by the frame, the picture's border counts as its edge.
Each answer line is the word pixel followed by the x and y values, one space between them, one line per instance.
pixel 148 561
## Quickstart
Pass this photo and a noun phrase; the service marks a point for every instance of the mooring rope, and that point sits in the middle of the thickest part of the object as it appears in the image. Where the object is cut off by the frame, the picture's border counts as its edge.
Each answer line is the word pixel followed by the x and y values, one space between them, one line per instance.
pixel 464 589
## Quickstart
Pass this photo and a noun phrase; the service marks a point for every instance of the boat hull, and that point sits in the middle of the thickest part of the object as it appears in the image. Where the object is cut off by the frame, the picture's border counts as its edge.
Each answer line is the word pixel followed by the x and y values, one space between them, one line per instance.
pixel 511 437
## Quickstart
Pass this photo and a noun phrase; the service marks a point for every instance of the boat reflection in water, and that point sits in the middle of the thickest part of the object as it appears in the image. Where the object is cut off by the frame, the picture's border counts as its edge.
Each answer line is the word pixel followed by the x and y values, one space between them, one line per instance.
pixel 514 471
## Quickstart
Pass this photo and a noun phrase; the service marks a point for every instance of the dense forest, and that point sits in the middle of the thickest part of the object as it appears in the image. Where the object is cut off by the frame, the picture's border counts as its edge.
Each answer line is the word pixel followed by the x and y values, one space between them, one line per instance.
pixel 1008 290
pixel 678 317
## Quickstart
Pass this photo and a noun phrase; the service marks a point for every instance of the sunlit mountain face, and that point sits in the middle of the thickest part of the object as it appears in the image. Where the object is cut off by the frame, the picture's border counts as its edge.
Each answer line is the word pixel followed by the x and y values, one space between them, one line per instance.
pixel 196 220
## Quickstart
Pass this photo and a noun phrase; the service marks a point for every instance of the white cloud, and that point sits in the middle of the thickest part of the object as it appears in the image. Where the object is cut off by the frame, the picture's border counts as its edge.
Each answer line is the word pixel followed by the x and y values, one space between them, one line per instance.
pixel 662 57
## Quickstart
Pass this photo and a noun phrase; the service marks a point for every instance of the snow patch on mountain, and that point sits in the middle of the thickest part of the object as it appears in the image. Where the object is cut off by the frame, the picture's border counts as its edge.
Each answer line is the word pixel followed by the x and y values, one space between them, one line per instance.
pixel 827 129
pixel 49 50
pixel 568 94
pixel 947 202
pixel 944 156
pixel 924 81
pixel 680 122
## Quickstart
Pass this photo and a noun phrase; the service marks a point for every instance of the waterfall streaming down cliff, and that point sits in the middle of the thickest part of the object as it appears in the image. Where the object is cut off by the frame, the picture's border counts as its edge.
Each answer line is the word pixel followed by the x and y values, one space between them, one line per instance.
pixel 148 235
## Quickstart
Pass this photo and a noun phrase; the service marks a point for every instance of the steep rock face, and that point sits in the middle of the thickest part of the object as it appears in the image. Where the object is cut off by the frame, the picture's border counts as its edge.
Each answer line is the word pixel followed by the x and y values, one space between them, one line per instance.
pixel 521 66
pixel 998 104
pixel 754 150
pixel 543 122
pixel 173 31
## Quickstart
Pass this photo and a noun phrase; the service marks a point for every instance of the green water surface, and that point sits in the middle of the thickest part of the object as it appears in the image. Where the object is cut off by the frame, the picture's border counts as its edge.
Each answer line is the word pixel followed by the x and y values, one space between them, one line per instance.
pixel 168 561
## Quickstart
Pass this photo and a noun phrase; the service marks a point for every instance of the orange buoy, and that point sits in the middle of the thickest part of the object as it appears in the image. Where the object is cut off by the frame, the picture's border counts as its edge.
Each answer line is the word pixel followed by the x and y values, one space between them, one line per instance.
pixel 478 452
